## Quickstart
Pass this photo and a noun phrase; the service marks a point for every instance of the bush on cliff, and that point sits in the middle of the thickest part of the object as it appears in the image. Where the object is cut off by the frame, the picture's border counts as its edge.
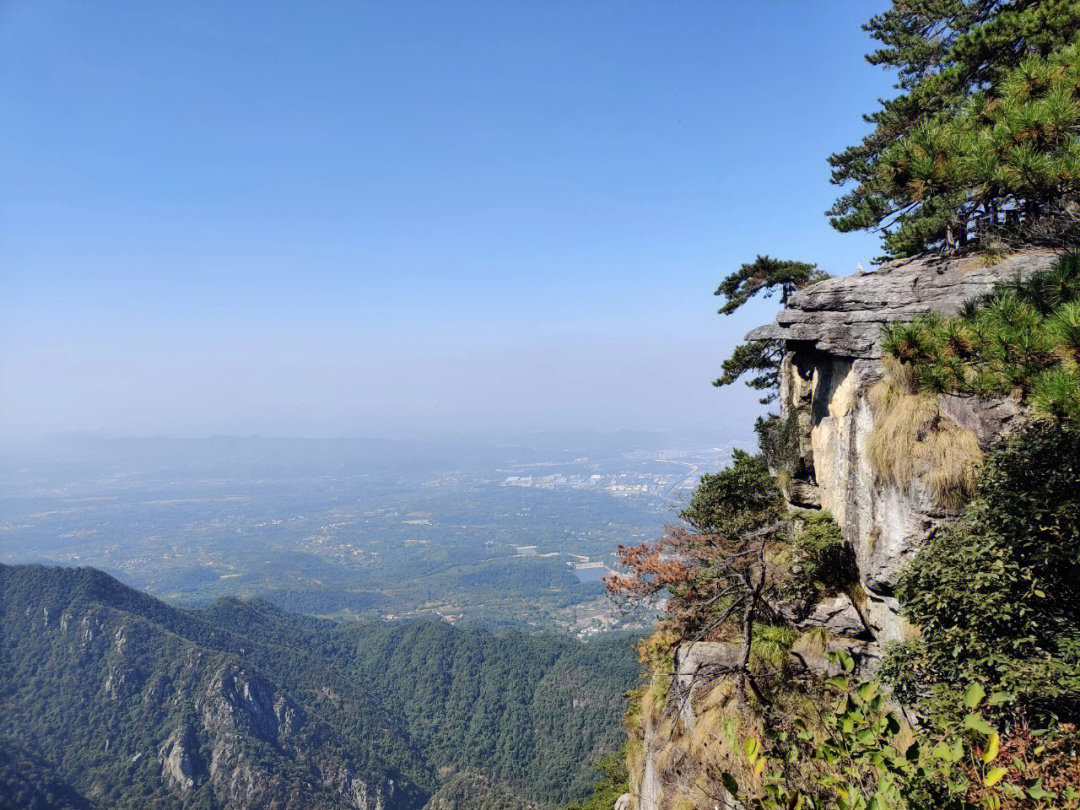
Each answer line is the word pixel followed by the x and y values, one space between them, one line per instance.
pixel 742 497
pixel 996 595
pixel 761 358
pixel 864 755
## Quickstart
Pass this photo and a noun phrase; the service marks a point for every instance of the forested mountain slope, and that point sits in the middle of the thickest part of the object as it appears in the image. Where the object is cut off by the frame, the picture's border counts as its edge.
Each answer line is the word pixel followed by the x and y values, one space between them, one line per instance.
pixel 527 709
pixel 114 699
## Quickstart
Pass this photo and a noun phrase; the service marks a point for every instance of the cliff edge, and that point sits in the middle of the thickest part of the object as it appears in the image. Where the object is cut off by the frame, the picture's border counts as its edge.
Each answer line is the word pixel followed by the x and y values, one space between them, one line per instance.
pixel 840 405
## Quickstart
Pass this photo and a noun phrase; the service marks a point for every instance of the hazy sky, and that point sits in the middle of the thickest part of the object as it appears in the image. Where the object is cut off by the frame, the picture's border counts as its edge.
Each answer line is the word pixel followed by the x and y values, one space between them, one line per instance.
pixel 395 218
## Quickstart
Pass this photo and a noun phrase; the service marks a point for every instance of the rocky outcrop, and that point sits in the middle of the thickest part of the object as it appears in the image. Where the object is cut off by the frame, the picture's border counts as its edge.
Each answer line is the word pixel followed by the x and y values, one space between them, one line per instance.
pixel 180 760
pixel 705 658
pixel 842 317
pixel 832 358
pixel 838 616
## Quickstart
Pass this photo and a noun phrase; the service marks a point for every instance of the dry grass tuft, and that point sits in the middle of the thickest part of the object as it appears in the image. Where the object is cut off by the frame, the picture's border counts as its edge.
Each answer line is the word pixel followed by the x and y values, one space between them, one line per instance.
pixel 654 701
pixel 913 440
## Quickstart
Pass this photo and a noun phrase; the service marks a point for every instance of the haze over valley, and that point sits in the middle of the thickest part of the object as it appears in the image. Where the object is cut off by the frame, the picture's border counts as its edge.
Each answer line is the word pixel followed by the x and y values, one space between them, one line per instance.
pixel 512 534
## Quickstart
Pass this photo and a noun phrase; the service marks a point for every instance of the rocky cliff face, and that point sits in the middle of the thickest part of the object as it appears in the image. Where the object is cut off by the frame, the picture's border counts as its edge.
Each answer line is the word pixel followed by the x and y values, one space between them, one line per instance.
pixel 831 364
pixel 832 359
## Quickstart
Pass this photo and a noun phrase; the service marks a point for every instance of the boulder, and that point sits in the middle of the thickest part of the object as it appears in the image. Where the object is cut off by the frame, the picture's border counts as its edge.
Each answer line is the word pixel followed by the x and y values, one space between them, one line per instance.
pixel 838 615
pixel 705 658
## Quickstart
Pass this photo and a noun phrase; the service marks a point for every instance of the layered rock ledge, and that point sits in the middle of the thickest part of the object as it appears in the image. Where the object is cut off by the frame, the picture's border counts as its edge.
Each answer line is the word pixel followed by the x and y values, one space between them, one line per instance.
pixel 843 316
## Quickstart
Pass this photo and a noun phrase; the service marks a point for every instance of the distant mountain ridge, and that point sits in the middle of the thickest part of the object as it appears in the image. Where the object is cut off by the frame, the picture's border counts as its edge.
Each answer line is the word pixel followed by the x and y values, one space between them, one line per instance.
pixel 112 698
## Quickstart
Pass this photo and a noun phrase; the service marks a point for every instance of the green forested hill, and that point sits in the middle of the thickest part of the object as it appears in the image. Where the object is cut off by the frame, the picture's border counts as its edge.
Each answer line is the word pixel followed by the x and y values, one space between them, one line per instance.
pixel 526 709
pixel 111 696
pixel 28 782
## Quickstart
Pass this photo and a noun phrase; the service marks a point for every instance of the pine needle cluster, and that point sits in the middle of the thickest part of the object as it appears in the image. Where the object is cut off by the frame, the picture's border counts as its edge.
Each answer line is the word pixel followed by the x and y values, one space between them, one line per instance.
pixel 1023 338
pixel 983 143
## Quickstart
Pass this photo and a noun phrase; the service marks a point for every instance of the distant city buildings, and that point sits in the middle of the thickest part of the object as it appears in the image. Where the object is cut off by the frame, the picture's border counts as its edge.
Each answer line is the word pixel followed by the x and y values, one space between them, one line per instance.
pixel 614 484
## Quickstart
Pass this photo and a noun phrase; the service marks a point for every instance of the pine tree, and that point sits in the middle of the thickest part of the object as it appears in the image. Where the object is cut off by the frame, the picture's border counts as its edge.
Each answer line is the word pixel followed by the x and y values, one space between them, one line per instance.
pixel 983 139
pixel 761 358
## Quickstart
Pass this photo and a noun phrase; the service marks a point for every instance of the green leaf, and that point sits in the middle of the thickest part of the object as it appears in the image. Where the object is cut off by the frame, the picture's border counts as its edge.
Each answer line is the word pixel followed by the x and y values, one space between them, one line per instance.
pixel 956 751
pixel 993 746
pixel 1036 791
pixel 974 695
pixel 976 723
pixel 751 748
pixel 998 698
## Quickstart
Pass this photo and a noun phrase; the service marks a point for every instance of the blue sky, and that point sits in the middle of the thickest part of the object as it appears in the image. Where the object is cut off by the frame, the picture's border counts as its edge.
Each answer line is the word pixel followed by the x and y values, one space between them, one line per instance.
pixel 396 218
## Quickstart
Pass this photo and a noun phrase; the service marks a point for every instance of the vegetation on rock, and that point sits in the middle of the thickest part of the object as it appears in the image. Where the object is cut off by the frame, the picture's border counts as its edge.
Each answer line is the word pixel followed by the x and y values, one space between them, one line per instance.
pixel 764 276
pixel 743 571
pixel 997 593
pixel 1023 338
pixel 913 440
pixel 864 755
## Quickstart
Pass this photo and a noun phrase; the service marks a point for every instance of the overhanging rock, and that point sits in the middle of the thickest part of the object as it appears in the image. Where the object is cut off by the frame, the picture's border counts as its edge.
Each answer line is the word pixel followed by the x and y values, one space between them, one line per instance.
pixel 843 316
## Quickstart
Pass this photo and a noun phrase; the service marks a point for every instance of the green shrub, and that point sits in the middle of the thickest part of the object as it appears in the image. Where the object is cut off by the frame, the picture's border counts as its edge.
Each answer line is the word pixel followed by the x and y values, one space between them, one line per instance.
pixel 778 439
pixel 996 595
pixel 1024 335
pixel 821 560
pixel 733 500
pixel 865 756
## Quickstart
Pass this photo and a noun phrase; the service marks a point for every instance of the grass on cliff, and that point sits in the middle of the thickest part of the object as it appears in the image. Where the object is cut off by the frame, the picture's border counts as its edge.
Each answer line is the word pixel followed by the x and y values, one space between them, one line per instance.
pixel 912 440
pixel 692 759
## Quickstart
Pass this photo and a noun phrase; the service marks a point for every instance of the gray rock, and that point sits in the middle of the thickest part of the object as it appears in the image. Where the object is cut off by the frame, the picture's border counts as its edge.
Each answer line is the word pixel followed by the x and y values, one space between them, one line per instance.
pixel 702 658
pixel 839 616
pixel 180 763
pixel 843 316
pixel 812 651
